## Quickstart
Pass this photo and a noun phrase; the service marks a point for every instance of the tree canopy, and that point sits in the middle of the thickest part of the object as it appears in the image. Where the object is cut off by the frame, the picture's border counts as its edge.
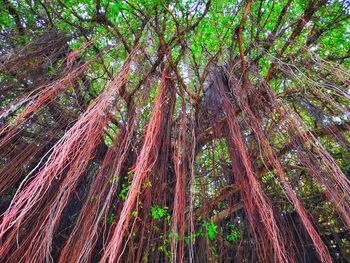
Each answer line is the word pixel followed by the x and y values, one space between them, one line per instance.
pixel 174 131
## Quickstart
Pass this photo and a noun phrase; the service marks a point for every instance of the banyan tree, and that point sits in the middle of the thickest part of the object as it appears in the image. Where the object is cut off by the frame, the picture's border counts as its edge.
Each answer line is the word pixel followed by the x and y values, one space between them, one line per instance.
pixel 174 131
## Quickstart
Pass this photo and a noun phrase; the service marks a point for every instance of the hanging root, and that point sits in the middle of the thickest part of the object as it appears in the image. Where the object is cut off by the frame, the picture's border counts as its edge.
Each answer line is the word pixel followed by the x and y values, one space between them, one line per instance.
pixel 35 101
pixel 83 238
pixel 312 154
pixel 323 168
pixel 178 224
pixel 74 149
pixel 21 157
pixel 256 197
pixel 79 247
pixel 144 164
